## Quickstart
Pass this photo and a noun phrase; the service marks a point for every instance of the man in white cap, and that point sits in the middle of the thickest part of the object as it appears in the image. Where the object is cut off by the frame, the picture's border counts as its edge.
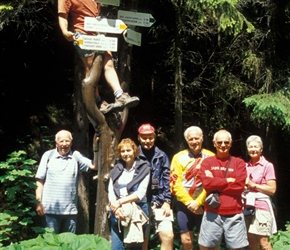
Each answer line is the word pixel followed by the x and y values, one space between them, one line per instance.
pixel 159 195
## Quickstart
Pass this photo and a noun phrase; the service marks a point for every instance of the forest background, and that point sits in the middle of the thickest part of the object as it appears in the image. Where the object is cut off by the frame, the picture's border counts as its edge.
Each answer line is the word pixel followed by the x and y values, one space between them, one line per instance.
pixel 214 64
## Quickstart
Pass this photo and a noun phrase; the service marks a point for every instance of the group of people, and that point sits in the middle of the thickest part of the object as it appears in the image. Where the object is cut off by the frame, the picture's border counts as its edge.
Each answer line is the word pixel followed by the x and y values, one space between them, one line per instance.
pixel 216 194
pixel 212 192
pixel 220 196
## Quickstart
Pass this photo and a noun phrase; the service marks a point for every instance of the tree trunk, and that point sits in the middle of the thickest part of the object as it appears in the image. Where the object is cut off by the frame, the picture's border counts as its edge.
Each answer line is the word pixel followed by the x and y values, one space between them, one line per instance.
pixel 178 88
pixel 80 143
pixel 108 129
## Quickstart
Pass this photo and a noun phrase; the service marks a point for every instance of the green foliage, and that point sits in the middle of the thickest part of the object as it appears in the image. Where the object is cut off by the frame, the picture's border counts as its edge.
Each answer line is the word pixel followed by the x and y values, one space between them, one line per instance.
pixel 17 197
pixel 5 7
pixel 251 64
pixel 281 240
pixel 270 108
pixel 223 12
pixel 63 241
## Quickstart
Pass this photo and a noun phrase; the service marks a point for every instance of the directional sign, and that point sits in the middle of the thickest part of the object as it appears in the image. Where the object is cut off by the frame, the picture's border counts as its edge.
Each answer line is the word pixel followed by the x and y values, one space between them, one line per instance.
pixel 109 2
pixel 136 18
pixel 99 42
pixel 104 25
pixel 132 37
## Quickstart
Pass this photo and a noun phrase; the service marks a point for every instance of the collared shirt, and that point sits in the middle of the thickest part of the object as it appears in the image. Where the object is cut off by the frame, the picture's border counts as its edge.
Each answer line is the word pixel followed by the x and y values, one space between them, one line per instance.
pixel 180 184
pixel 260 173
pixel 61 175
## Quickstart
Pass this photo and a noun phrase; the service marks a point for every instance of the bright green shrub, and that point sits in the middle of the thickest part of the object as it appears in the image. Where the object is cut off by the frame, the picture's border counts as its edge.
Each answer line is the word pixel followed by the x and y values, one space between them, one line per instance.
pixel 281 240
pixel 63 241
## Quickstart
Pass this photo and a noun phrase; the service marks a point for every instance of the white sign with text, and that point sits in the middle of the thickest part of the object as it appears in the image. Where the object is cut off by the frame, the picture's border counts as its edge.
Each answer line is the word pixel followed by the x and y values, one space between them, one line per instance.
pixel 136 18
pixel 99 42
pixel 104 25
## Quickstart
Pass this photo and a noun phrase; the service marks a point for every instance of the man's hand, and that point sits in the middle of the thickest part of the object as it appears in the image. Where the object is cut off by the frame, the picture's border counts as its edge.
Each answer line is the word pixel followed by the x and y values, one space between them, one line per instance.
pixel 192 206
pixel 40 209
pixel 69 36
pixel 230 179
pixel 208 173
pixel 199 210
pixel 166 209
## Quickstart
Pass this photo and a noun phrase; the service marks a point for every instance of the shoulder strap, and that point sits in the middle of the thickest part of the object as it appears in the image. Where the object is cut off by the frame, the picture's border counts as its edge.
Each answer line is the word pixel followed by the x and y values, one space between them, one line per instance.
pixel 229 162
pixel 49 157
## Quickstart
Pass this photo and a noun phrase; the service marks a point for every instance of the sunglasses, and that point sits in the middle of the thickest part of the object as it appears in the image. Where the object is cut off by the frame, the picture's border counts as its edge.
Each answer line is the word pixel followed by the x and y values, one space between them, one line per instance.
pixel 221 142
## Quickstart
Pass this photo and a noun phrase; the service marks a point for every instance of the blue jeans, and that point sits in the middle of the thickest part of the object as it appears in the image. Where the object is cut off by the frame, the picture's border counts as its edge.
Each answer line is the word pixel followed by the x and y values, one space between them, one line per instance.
pixel 117 236
pixel 61 223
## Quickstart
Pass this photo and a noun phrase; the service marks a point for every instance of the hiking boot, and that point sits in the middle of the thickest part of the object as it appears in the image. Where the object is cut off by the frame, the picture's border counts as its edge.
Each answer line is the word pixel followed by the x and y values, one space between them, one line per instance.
pixel 105 107
pixel 126 101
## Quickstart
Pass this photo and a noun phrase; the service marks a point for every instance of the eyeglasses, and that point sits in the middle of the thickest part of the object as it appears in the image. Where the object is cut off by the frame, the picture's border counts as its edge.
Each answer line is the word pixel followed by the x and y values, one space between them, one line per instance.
pixel 222 142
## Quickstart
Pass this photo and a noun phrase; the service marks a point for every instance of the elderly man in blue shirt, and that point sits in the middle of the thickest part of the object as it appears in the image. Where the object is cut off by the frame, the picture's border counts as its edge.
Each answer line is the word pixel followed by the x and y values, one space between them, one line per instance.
pixel 57 180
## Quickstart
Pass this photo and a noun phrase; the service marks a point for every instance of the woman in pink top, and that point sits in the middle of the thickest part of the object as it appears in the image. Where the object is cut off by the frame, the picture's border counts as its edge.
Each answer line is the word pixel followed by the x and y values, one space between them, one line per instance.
pixel 261 184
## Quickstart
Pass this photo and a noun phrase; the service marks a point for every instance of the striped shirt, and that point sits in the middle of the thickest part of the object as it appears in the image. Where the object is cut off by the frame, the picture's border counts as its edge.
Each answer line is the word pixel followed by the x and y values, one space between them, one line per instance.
pixel 61 175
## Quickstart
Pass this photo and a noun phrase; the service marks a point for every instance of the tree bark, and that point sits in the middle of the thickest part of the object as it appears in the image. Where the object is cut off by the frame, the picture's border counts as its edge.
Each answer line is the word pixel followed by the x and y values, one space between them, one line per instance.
pixel 108 129
pixel 178 82
pixel 80 143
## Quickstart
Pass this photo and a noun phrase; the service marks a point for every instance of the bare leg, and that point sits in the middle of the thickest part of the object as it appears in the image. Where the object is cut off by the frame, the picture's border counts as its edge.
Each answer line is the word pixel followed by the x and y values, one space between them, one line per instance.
pixel 207 248
pixel 253 241
pixel 110 72
pixel 88 62
pixel 145 243
pixel 265 243
pixel 166 238
pixel 186 240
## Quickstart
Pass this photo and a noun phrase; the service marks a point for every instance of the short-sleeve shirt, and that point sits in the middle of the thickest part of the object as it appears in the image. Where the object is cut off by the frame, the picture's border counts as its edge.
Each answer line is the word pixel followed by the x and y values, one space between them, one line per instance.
pixel 61 175
pixel 260 173
pixel 77 11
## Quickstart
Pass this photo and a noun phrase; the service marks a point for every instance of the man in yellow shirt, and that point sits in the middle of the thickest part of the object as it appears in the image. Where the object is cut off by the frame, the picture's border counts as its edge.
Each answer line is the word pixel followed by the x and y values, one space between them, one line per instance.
pixel 187 187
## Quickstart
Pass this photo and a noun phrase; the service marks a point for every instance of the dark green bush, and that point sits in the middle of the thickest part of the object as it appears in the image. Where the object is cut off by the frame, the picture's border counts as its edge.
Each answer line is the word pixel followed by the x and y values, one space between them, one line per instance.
pixel 17 187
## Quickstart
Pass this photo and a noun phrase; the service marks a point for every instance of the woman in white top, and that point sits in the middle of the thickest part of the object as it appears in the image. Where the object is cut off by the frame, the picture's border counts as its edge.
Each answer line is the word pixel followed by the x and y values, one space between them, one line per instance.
pixel 129 180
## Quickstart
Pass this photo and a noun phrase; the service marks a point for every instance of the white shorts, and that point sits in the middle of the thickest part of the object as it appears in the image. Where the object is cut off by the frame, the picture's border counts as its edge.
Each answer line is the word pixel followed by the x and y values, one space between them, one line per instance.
pixel 260 223
pixel 164 225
